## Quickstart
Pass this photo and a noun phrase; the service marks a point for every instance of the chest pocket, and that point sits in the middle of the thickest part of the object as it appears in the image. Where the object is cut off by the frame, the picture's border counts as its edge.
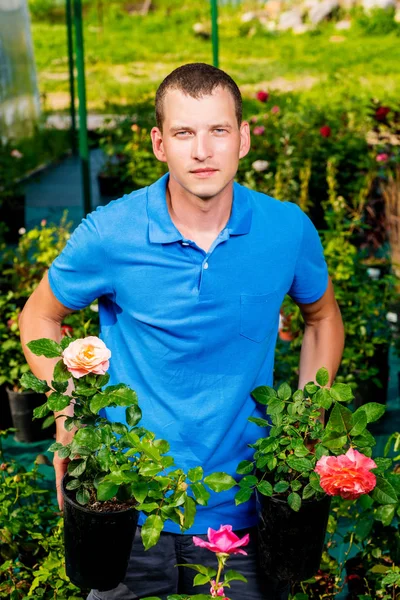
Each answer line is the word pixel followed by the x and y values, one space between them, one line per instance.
pixel 258 315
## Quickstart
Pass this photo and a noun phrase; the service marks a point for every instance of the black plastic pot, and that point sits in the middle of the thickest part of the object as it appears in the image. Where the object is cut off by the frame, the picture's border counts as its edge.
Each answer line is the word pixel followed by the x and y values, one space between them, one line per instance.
pixel 12 213
pixel 5 413
pixel 290 543
pixel 97 544
pixel 369 391
pixel 22 405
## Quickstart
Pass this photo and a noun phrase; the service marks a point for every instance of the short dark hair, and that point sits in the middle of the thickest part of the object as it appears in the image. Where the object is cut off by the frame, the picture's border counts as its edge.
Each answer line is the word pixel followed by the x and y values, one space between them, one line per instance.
pixel 197 80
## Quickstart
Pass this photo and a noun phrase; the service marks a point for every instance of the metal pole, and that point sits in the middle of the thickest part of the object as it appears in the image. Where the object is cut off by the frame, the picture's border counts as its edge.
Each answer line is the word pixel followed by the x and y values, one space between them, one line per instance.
pixel 214 29
pixel 68 11
pixel 83 134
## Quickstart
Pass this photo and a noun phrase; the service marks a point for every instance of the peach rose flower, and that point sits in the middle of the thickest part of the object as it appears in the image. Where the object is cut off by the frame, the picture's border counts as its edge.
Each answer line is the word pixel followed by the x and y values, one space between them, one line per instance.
pixel 347 475
pixel 87 355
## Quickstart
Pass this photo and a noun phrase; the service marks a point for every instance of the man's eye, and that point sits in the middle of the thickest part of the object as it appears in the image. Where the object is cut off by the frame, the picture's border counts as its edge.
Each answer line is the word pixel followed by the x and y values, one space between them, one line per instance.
pixel 182 133
pixel 218 130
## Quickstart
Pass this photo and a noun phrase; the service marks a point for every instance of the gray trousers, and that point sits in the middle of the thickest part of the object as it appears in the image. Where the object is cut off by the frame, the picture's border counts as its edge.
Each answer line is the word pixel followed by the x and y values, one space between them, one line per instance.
pixel 153 573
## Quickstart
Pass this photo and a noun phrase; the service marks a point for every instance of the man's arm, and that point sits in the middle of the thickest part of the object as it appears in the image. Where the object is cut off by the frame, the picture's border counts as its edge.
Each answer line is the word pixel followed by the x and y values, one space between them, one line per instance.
pixel 42 317
pixel 323 340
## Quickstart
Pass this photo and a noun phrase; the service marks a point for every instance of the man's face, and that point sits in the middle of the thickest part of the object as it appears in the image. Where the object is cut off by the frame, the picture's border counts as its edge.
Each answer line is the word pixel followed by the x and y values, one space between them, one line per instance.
pixel 201 141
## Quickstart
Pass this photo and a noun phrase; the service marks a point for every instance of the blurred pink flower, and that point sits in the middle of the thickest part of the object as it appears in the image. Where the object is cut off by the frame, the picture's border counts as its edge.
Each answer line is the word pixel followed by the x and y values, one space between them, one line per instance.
pixel 16 154
pixel 382 157
pixel 347 475
pixel 381 113
pixel 262 96
pixel 275 110
pixel 223 541
pixel 43 222
pixel 253 119
pixel 259 130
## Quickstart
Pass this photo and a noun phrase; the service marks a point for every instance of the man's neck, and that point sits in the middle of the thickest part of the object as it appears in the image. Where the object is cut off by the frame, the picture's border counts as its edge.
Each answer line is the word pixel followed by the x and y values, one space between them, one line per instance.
pixel 196 219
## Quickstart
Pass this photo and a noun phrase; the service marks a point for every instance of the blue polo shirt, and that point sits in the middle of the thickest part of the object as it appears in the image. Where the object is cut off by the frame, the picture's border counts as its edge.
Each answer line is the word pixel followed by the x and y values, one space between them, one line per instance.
pixel 193 332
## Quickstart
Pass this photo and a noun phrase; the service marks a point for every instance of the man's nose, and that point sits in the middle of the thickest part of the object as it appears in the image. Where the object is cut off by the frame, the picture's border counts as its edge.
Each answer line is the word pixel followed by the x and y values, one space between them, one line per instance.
pixel 201 147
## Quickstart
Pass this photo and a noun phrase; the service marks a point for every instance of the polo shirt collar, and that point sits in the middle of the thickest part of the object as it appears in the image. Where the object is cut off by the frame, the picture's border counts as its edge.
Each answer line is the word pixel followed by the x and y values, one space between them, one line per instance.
pixel 163 231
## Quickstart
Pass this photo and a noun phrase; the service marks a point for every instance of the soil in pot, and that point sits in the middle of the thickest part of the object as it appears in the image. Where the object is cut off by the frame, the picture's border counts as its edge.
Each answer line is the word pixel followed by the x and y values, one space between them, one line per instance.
pixel 22 405
pixel 290 543
pixel 97 543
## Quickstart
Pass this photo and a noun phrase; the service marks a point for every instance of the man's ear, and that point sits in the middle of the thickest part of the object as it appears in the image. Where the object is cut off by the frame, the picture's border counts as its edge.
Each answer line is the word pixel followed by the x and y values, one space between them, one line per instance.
pixel 158 147
pixel 245 141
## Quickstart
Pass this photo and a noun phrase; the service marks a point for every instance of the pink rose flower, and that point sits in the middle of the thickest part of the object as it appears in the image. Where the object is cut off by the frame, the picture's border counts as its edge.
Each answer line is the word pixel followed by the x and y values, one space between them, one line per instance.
pixel 87 355
pixel 253 120
pixel 382 157
pixel 259 130
pixel 223 541
pixel 275 110
pixel 43 222
pixel 325 131
pixel 347 475
pixel 262 96
pixel 16 154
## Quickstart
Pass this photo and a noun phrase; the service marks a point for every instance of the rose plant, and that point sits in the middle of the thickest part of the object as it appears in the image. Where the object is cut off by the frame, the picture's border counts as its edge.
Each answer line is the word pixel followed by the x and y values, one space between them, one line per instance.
pixel 301 459
pixel 110 462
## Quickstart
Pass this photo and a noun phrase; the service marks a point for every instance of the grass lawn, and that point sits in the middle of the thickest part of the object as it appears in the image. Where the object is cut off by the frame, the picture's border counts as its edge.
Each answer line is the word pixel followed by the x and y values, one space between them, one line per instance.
pixel 129 55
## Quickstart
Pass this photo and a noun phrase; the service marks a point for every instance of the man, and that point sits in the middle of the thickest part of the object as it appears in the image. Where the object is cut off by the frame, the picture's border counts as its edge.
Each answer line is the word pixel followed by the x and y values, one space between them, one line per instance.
pixel 190 274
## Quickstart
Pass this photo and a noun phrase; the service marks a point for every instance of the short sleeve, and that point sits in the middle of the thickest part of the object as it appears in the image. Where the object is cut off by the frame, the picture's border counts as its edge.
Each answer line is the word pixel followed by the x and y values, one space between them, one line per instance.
pixel 80 274
pixel 310 279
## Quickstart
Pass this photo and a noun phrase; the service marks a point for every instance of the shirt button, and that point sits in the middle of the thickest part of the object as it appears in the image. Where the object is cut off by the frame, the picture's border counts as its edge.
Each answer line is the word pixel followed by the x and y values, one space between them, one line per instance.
pixel 185 243
pixel 205 266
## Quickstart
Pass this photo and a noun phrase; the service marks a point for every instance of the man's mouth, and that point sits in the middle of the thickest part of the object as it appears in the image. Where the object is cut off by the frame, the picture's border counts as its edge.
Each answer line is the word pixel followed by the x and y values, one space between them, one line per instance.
pixel 204 171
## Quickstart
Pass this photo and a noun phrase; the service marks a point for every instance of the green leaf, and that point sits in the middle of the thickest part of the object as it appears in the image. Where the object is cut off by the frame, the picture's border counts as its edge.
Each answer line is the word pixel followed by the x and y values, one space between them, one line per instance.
pixel 284 392
pixel 123 396
pixel 299 464
pixel 64 452
pixel 45 347
pixel 385 514
pixel 294 501
pixel 84 389
pixel 340 420
pixel 265 488
pixel 82 496
pixel 66 341
pixel 243 495
pixel 195 474
pixel 245 467
pixel 200 579
pixel 298 396
pixel 54 447
pixel 322 377
pixel 106 490
pixel 89 438
pixel 383 492
pixel 140 491
pixel 74 484
pixel 341 392
pixel 40 411
pixel 133 415
pixel 364 440
pixel 57 401
pixel 258 421
pixel 314 482
pixel 308 491
pixel 31 382
pixel 296 485
pixel 373 411
pixel 61 372
pixel 232 575
pixel 200 493
pixel 151 531
pixel 281 487
pixel 275 406
pixel 59 386
pixel 359 423
pixel 334 441
pixel 98 402
pixel 323 398
pixel 383 464
pixel 102 380
pixel 219 482
pixel 310 388
pixel 76 467
pixel 263 394
pixel 248 481
pixel 189 511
